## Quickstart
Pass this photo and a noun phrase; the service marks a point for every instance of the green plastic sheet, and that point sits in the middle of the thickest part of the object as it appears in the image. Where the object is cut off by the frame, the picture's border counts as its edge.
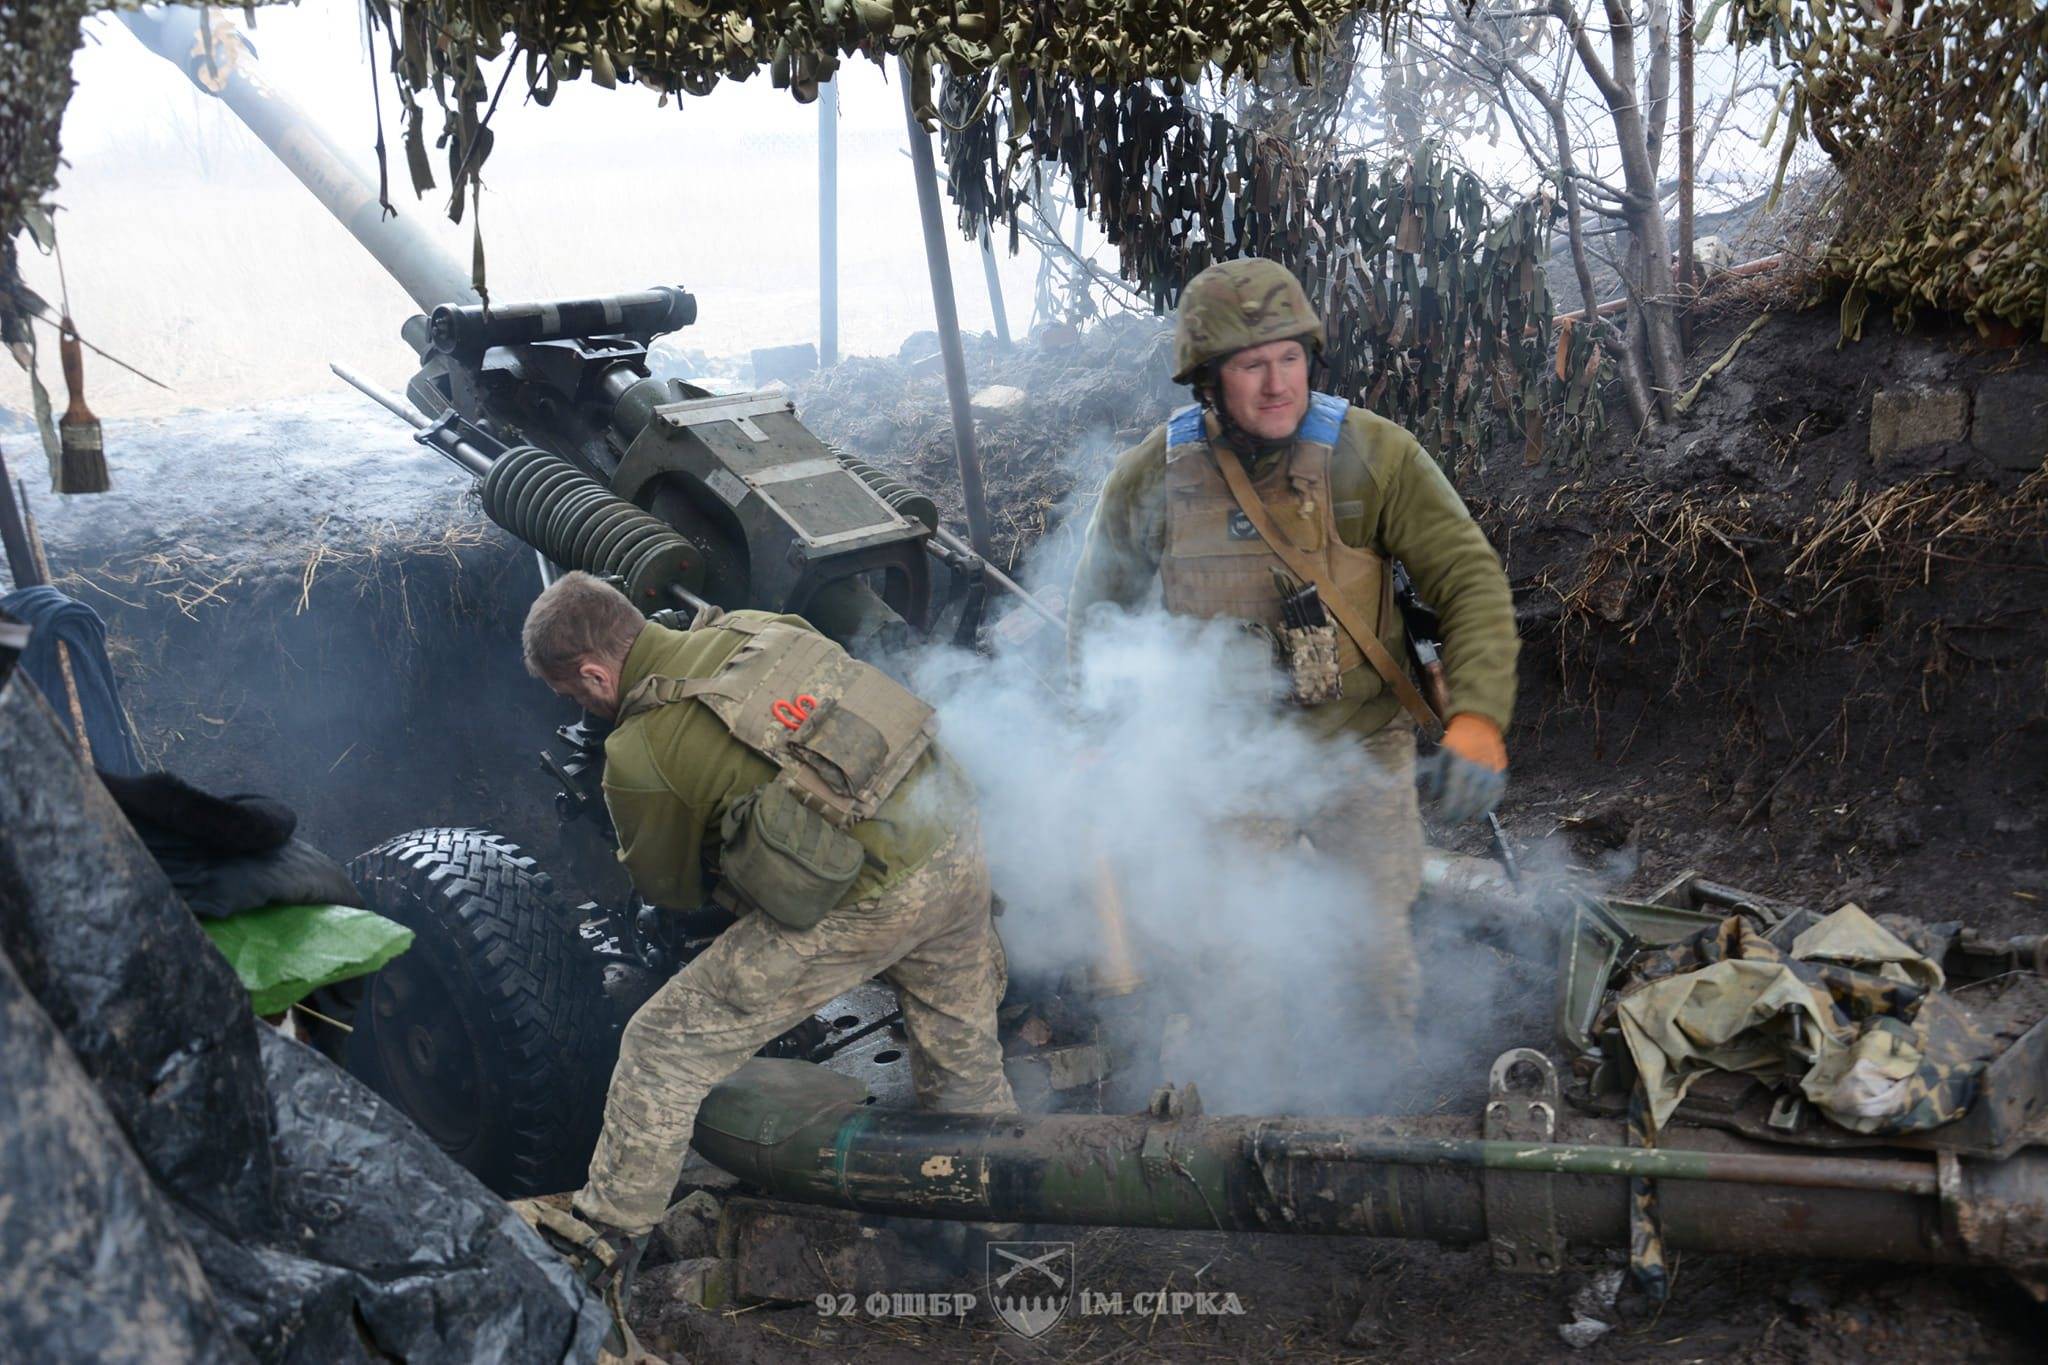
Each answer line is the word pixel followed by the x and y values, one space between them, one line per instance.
pixel 283 953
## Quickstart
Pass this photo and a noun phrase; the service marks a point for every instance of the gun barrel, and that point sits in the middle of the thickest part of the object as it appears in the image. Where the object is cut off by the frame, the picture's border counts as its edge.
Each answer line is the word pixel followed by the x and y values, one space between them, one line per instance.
pixel 226 70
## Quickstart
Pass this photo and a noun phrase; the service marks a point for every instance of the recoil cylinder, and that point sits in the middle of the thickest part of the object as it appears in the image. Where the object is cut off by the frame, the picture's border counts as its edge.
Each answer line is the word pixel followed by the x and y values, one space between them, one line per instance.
pixel 580 524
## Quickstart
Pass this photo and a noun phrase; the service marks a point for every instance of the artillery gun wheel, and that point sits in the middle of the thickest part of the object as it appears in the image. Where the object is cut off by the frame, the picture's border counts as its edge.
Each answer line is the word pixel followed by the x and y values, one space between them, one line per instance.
pixel 491 1032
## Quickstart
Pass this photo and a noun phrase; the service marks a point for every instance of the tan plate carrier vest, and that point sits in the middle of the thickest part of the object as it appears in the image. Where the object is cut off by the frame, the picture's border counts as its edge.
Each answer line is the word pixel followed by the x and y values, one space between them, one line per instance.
pixel 1217 565
pixel 847 755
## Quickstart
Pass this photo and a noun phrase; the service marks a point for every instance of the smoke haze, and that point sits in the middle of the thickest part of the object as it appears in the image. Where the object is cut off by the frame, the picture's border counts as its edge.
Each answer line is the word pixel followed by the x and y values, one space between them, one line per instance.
pixel 1167 764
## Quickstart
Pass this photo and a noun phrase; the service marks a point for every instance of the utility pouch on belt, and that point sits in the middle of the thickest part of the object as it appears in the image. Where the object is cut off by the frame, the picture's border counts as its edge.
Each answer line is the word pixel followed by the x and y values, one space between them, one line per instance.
pixel 1308 646
pixel 1309 654
pixel 784 859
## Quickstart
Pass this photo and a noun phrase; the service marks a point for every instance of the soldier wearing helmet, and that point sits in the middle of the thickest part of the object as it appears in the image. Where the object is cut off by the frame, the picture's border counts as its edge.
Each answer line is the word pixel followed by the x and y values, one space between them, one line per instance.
pixel 1263 487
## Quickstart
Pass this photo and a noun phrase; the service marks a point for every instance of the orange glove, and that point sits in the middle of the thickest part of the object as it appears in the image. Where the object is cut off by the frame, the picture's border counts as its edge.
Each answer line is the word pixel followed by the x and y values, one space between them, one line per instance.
pixel 1476 740
pixel 1465 777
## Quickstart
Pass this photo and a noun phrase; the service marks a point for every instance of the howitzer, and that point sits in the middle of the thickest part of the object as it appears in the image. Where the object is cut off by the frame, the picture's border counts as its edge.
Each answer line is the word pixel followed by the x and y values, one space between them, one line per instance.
pixel 496 1032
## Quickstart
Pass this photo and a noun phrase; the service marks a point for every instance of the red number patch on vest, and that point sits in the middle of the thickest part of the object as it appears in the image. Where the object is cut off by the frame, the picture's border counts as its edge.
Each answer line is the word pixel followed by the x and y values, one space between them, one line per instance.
pixel 792 714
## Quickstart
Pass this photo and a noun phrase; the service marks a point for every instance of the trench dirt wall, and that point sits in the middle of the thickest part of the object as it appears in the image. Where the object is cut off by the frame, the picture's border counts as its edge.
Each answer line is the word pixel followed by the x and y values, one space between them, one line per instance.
pixel 303 603
pixel 1801 635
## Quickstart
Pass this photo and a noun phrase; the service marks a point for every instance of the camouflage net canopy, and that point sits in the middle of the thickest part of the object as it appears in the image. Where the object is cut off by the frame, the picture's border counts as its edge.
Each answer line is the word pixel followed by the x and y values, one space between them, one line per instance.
pixel 688 46
pixel 1436 303
pixel 1936 114
pixel 1436 307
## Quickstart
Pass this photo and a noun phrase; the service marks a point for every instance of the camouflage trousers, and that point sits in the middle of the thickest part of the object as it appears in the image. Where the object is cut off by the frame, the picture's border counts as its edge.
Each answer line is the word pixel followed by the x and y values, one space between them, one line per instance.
pixel 1377 831
pixel 1373 831
pixel 930 936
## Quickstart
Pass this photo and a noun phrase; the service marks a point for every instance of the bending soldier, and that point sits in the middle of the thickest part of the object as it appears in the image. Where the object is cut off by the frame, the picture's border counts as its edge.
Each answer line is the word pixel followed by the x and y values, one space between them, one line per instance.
pixel 1262 490
pixel 754 754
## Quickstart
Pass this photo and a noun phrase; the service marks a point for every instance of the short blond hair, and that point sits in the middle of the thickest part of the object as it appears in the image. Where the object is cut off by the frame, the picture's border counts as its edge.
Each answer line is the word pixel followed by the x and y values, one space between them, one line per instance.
pixel 578 617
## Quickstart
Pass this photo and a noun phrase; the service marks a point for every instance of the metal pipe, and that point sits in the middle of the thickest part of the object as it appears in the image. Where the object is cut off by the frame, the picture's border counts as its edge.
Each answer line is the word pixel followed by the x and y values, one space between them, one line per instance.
pixel 684 597
pixel 828 223
pixel 1421 1177
pixel 21 562
pixel 925 171
pixel 461 452
pixel 995 289
pixel 427 273
pixel 997 576
pixel 1659 1163
pixel 1685 158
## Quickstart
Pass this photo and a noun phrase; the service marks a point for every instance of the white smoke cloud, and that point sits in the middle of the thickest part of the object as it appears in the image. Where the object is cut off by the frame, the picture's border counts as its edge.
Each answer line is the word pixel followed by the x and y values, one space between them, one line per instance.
pixel 1167 766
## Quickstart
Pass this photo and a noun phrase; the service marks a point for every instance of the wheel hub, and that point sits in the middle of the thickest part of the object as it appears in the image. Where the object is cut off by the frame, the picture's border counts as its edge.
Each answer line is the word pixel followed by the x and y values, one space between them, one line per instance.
pixel 428 1053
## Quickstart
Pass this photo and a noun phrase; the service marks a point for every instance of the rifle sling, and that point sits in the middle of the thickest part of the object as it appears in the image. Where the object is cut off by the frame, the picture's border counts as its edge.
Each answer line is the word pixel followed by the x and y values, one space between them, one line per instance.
pixel 1367 639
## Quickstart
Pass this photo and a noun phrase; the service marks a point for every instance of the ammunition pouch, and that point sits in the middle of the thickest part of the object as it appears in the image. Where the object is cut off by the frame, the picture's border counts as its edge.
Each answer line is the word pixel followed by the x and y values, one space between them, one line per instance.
pixel 1308 655
pixel 783 858
pixel 842 735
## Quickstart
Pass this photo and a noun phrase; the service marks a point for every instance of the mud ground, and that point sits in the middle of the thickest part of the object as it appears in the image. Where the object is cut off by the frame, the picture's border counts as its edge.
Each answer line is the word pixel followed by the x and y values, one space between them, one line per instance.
pixel 1749 648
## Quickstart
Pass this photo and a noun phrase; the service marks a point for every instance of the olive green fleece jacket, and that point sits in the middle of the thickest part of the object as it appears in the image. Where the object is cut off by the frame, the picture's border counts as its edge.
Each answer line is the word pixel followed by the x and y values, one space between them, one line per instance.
pixel 1387 496
pixel 670 774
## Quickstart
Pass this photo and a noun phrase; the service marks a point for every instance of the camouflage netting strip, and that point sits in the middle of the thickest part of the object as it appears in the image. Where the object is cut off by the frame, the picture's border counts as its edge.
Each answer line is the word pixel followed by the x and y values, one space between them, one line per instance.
pixel 1410 266
pixel 688 46
pixel 1437 311
pixel 37 39
pixel 1936 114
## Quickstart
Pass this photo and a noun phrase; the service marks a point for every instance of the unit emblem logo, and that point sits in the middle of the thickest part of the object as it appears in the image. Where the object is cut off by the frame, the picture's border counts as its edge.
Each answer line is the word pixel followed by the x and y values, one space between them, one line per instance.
pixel 1030 1284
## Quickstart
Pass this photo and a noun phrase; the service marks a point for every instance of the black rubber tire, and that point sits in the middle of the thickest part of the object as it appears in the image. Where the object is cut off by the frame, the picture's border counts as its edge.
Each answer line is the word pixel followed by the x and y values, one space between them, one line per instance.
pixel 491 1031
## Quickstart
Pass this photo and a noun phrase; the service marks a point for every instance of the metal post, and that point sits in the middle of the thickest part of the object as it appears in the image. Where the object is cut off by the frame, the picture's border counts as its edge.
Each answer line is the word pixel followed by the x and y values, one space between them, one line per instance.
pixel 926 170
pixel 828 223
pixel 1685 155
pixel 995 289
pixel 21 562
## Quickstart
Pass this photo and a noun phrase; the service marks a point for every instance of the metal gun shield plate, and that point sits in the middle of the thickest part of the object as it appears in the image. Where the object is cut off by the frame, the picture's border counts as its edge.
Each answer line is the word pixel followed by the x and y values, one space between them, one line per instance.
pixel 746 462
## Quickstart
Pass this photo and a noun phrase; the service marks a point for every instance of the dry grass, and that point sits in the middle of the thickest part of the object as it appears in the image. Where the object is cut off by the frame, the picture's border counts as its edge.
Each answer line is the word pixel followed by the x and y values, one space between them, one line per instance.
pixel 1733 595
pixel 195 580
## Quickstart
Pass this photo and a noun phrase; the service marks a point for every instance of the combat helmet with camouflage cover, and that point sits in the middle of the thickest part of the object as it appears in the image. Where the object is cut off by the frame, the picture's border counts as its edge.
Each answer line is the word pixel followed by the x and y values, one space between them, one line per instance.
pixel 1237 304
